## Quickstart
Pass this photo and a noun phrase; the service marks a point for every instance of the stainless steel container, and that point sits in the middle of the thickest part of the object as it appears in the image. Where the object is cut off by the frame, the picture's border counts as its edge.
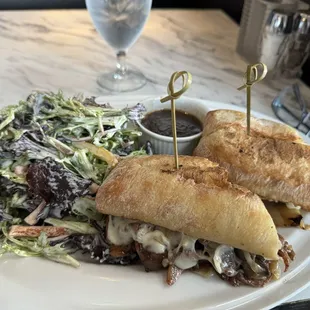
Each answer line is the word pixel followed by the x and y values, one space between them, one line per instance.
pixel 275 40
pixel 299 48
pixel 255 14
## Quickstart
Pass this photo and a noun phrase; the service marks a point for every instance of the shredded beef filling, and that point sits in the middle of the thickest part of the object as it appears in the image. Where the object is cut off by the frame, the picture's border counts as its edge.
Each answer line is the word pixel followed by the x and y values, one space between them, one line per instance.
pixel 235 266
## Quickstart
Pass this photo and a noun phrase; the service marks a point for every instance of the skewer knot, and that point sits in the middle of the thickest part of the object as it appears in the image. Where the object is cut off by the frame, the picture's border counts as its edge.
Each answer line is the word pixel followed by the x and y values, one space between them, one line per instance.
pixel 186 83
pixel 251 76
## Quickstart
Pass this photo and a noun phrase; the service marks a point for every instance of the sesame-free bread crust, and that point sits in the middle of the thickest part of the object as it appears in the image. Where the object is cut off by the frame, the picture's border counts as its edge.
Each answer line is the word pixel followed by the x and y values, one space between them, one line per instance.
pixel 197 200
pixel 272 162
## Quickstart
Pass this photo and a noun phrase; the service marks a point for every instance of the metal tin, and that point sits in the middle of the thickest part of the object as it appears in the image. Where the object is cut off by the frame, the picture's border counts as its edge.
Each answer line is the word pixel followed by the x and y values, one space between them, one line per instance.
pixel 280 22
pixel 276 39
pixel 300 46
pixel 302 23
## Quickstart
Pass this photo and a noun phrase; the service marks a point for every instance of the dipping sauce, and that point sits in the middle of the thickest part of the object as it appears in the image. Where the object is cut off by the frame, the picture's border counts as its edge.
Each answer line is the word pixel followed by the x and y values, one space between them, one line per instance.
pixel 160 123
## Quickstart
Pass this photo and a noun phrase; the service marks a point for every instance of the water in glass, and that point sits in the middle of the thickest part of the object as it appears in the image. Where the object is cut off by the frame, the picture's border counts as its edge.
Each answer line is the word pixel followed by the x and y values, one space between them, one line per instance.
pixel 119 22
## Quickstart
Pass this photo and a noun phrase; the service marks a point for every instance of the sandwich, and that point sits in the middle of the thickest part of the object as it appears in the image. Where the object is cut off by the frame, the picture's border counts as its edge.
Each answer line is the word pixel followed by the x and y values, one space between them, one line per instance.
pixel 190 218
pixel 272 162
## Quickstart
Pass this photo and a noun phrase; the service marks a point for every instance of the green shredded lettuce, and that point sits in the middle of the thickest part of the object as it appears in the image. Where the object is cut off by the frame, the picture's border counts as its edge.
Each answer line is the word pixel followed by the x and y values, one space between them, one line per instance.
pixel 20 179
pixel 75 227
pixel 87 208
pixel 38 247
pixel 49 126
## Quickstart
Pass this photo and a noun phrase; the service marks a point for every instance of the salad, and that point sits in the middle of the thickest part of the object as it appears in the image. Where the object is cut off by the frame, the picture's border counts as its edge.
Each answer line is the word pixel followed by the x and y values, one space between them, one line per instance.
pixel 54 154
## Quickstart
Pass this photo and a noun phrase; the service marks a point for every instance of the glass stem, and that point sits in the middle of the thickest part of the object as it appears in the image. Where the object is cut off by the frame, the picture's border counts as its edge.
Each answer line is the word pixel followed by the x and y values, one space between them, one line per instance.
pixel 121 65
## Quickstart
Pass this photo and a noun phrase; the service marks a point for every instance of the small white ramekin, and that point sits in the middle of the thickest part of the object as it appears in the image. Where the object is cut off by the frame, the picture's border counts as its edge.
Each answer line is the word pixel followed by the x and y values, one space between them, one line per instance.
pixel 164 145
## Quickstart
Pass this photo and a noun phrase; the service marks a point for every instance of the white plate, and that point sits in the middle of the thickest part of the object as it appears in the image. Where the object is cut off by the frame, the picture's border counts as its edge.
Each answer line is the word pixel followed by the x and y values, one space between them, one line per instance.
pixel 33 283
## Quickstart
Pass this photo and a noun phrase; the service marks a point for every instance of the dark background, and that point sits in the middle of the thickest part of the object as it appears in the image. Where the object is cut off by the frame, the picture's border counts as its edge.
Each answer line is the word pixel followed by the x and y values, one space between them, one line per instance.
pixel 232 7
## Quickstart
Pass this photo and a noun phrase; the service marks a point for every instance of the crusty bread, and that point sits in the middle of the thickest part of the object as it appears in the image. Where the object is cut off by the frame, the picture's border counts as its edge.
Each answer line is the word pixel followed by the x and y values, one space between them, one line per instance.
pixel 272 162
pixel 197 200
pixel 218 119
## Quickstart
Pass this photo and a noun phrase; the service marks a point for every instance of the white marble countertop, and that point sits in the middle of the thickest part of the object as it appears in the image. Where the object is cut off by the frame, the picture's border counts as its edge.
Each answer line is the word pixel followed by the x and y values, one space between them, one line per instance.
pixel 51 50
pixel 60 49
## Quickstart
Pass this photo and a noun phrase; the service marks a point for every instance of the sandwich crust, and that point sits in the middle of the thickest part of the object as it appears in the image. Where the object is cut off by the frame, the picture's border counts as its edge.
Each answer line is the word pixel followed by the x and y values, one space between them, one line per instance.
pixel 272 162
pixel 197 200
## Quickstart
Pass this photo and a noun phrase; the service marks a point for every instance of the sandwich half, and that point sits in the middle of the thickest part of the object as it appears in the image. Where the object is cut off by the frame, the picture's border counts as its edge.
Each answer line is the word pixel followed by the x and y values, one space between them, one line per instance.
pixel 180 219
pixel 273 161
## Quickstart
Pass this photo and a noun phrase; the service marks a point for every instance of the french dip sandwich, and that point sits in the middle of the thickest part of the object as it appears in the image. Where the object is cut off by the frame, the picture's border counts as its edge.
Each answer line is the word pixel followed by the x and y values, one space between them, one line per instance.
pixel 186 218
pixel 273 161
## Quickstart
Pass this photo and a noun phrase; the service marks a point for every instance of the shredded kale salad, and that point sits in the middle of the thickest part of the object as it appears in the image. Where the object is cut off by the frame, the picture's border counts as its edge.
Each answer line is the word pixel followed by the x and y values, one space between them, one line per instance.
pixel 54 154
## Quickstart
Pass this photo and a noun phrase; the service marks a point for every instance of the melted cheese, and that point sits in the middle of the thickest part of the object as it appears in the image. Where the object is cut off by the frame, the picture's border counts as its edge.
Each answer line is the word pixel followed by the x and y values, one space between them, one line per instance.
pixel 160 240
pixel 187 258
pixel 188 243
pixel 184 261
pixel 155 242
pixel 180 248
pixel 292 206
pixel 121 232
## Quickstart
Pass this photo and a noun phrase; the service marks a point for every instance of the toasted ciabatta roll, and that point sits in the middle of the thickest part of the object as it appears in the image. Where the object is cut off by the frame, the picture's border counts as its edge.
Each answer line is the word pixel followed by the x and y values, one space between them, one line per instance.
pixel 196 200
pixel 272 162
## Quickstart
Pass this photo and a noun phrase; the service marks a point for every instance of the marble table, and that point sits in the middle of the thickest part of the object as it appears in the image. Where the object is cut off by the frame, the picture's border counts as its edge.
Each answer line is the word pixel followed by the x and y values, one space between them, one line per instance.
pixel 51 50
pixel 60 49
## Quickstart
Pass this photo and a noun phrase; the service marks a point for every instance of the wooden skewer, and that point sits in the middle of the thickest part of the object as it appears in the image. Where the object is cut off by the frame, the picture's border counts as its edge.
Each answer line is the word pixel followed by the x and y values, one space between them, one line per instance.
pixel 172 96
pixel 252 77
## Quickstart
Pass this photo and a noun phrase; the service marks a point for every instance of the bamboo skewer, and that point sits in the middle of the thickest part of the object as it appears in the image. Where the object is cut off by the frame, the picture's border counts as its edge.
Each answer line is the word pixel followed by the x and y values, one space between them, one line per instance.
pixel 172 96
pixel 251 77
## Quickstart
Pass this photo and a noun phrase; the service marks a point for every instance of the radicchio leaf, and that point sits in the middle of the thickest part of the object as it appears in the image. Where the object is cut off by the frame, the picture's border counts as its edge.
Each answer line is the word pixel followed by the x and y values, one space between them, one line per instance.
pixel 8 188
pixel 56 185
pixel 136 112
pixel 25 144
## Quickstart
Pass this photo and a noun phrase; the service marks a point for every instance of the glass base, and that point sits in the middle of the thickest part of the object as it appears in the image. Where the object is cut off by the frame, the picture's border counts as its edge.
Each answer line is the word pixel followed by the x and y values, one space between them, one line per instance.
pixel 131 80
